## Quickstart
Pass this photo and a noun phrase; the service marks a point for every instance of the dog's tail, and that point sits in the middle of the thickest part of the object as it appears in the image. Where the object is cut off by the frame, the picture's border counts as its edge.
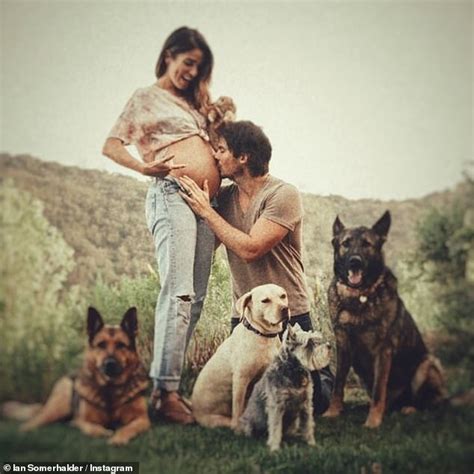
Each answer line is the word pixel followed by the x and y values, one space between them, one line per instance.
pixel 430 372
pixel 19 411
pixel 462 399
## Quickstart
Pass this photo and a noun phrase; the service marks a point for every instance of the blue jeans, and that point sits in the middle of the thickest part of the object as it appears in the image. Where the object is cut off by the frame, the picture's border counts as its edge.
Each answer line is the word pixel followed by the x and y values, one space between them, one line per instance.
pixel 184 246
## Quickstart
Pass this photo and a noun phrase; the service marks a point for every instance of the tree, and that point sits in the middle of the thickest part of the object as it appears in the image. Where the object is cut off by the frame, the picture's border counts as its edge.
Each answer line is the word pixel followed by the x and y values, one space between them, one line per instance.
pixel 35 262
pixel 445 251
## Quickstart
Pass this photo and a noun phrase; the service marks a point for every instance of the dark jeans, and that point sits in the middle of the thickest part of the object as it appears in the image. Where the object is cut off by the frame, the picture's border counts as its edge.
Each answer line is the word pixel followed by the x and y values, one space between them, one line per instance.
pixel 323 380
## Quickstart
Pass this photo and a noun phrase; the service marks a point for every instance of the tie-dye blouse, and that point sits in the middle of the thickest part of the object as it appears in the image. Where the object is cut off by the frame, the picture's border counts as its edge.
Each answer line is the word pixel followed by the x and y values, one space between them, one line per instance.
pixel 154 118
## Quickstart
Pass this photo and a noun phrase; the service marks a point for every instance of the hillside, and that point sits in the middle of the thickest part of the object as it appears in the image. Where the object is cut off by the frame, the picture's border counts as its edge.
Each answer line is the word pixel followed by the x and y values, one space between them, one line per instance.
pixel 101 217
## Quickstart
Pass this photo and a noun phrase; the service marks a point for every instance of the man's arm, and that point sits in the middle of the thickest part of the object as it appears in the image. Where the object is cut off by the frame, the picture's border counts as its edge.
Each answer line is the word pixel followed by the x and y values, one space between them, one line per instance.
pixel 263 236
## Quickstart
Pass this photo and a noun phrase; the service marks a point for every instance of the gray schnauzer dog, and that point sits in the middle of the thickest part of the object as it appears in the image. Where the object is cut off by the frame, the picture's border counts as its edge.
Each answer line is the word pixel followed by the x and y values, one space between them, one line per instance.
pixel 281 402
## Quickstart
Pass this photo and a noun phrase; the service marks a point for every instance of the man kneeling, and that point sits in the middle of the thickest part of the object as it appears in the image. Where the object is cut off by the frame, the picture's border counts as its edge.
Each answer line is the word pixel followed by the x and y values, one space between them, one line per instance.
pixel 259 220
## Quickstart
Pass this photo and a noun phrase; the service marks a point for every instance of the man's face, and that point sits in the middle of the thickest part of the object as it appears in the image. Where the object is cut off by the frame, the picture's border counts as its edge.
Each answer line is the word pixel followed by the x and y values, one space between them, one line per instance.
pixel 229 166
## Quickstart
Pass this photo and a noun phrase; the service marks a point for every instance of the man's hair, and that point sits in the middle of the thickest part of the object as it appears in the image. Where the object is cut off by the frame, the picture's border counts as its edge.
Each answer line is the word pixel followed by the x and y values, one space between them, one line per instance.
pixel 246 138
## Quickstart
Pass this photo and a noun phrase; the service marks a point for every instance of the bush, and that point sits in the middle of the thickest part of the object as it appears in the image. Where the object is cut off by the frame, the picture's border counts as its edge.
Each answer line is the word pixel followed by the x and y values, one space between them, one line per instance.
pixel 214 324
pixel 37 334
pixel 445 243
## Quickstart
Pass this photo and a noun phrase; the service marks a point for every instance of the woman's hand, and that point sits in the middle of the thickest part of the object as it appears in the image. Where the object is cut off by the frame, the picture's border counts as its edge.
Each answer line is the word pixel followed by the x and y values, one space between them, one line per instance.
pixel 160 168
pixel 197 198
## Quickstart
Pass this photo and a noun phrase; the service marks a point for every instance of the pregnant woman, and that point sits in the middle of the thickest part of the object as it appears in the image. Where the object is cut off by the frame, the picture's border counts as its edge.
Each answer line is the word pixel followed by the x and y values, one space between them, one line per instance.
pixel 165 121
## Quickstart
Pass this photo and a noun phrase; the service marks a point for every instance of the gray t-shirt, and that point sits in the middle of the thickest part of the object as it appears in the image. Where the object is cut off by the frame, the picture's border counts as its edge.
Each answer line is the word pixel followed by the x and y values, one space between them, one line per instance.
pixel 278 202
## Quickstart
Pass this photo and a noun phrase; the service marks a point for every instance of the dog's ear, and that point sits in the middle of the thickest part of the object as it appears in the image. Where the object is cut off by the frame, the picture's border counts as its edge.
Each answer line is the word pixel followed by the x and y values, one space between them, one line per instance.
pixel 382 226
pixel 297 328
pixel 337 227
pixel 130 324
pixel 94 323
pixel 242 303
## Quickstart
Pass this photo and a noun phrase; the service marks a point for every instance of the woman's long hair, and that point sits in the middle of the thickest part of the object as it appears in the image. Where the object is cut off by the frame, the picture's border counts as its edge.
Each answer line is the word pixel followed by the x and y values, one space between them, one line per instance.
pixel 180 41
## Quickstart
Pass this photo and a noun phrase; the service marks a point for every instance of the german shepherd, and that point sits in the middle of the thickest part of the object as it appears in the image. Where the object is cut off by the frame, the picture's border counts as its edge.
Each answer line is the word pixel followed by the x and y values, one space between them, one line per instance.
pixel 108 390
pixel 375 334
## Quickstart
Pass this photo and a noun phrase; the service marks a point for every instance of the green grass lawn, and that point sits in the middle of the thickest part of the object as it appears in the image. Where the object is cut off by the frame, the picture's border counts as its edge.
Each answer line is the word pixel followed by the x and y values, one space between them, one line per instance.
pixel 431 442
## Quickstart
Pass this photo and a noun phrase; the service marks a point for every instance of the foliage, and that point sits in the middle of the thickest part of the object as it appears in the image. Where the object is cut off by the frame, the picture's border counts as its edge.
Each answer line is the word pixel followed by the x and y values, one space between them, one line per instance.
pixel 101 217
pixel 445 247
pixel 43 321
pixel 36 334
pixel 44 324
pixel 417 288
pixel 214 324
pixel 441 240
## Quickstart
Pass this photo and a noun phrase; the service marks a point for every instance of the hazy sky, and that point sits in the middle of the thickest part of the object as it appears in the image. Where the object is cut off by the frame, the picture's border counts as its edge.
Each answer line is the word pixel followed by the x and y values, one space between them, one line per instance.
pixel 361 99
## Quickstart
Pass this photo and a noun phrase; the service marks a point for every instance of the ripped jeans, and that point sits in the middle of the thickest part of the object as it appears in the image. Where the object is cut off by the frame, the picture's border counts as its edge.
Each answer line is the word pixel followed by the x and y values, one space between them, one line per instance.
pixel 184 245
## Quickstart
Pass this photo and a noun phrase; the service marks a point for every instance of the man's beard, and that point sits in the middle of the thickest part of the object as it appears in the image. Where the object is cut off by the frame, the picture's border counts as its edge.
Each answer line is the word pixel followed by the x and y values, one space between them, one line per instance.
pixel 239 171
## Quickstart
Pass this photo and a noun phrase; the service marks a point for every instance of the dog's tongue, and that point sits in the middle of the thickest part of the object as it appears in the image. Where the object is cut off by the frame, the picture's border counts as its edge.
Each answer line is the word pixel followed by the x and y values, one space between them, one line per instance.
pixel 355 277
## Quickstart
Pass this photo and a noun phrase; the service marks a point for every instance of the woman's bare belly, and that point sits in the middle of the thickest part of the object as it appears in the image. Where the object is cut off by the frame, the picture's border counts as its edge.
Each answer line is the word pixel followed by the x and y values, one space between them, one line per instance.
pixel 197 155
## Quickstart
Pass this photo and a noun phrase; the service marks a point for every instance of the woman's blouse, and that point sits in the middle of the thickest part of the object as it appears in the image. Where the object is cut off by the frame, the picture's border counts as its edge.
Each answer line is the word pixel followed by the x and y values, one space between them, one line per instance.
pixel 154 118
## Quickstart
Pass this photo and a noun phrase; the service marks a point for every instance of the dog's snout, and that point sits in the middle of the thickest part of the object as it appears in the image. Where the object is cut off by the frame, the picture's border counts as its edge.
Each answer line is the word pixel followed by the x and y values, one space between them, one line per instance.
pixel 355 262
pixel 285 313
pixel 111 367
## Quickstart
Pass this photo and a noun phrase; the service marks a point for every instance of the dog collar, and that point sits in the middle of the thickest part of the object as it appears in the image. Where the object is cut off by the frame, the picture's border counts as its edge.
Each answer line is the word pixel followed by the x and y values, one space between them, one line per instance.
pixel 362 295
pixel 246 324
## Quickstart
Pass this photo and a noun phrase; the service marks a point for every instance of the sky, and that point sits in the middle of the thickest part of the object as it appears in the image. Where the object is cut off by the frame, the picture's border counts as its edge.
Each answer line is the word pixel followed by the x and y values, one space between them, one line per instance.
pixel 364 99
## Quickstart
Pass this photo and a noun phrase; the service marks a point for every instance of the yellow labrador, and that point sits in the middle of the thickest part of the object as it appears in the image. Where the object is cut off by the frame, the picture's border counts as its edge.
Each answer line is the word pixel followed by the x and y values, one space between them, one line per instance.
pixel 224 383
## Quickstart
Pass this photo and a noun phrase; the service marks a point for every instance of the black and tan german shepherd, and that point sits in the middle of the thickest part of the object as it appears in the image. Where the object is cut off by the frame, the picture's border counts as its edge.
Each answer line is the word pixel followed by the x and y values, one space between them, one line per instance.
pixel 375 333
pixel 107 392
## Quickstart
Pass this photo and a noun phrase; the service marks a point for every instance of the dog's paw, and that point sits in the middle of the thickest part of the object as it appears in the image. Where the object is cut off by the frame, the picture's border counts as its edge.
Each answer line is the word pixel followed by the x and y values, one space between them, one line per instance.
pixel 92 429
pixel 118 439
pixel 245 429
pixel 333 411
pixel 25 427
pixel 273 447
pixel 102 433
pixel 239 430
pixel 408 410
pixel 373 421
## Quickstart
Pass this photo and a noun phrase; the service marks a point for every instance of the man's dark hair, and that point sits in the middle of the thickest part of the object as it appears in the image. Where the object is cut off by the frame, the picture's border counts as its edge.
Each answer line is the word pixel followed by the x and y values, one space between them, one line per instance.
pixel 246 138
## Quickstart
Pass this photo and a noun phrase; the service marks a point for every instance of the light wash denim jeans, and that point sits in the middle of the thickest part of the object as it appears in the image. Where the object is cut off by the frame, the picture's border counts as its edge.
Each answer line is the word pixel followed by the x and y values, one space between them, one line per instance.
pixel 184 246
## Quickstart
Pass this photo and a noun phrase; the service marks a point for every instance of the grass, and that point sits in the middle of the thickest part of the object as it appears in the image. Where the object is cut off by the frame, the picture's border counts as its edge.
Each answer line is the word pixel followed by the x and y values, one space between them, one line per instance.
pixel 440 441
